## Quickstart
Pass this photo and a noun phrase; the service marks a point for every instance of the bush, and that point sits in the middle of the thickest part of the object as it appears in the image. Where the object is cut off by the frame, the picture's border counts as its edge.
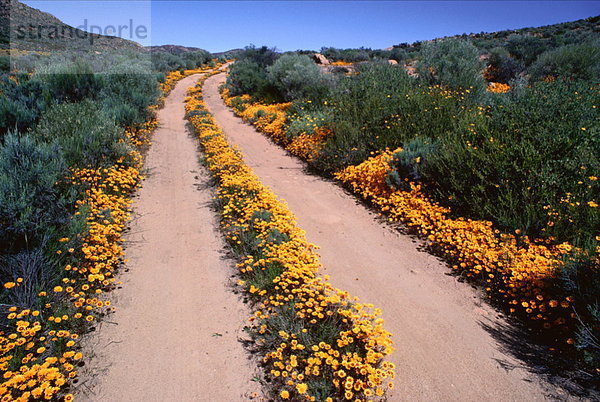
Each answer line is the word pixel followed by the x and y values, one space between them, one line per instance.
pixel 4 64
pixel 349 55
pixel 127 92
pixel 263 56
pixel 574 62
pixel 303 120
pixel 21 102
pixel 37 272
pixel 525 48
pixel 69 81
pixel 298 77
pixel 528 165
pixel 30 200
pixel 501 67
pixel 382 107
pixel 248 77
pixel 411 162
pixel 452 62
pixel 85 135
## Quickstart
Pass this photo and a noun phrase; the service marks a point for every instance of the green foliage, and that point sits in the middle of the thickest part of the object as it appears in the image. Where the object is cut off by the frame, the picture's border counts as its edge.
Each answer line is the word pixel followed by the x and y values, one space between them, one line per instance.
pixel 526 48
pixel 85 135
pixel 580 276
pixel 30 201
pixel 164 60
pixel 37 271
pixel 263 56
pixel 306 120
pixel 382 107
pixel 69 81
pixel 21 102
pixel 127 92
pixel 452 62
pixel 411 162
pixel 502 67
pixel 298 77
pixel 527 165
pixel 248 77
pixel 575 62
pixel 350 55
pixel 4 64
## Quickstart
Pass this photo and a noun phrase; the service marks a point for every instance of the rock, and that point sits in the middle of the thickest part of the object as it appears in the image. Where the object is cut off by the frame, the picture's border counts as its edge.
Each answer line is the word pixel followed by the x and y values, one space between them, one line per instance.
pixel 392 62
pixel 320 59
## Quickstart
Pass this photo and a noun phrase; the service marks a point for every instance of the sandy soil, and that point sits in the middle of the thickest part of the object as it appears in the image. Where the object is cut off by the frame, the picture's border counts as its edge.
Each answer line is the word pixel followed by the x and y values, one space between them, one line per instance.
pixel 444 352
pixel 175 334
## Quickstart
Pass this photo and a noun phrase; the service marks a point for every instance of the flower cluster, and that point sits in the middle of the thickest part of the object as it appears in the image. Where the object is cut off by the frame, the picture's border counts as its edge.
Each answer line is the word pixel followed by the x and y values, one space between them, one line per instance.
pixel 511 266
pixel 40 355
pixel 498 87
pixel 269 119
pixel 317 343
pixel 308 146
pixel 272 120
pixel 342 63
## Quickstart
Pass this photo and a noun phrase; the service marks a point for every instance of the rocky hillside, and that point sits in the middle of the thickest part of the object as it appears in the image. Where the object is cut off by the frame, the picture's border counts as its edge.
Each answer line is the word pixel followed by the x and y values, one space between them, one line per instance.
pixel 27 28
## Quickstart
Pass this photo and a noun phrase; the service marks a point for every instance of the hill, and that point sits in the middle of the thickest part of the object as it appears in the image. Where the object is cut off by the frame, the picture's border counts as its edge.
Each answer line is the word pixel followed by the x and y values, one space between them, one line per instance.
pixel 27 28
pixel 552 35
pixel 173 49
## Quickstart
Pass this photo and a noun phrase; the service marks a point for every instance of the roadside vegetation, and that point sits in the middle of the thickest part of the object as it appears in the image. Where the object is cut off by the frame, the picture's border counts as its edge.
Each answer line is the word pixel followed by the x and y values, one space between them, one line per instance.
pixel 494 160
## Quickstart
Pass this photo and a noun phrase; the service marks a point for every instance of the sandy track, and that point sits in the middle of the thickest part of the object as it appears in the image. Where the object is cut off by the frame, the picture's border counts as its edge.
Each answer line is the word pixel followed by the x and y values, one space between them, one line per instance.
pixel 443 351
pixel 175 334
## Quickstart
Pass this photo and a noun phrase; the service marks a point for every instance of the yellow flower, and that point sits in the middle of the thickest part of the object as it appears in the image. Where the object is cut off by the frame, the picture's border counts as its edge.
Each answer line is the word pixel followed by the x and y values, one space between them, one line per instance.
pixel 284 394
pixel 302 388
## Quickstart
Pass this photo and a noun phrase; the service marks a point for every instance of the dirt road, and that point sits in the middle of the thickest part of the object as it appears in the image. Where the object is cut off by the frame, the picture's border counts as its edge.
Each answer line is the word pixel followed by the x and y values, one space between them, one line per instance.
pixel 175 334
pixel 443 351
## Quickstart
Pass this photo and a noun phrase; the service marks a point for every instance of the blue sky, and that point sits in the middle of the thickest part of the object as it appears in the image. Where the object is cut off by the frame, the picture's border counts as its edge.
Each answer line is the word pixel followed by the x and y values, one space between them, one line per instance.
pixel 292 25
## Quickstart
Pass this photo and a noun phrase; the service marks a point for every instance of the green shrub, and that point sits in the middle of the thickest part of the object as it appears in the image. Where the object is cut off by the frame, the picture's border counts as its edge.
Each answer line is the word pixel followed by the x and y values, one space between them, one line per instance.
pixel 31 202
pixel 248 77
pixel 382 107
pixel 69 81
pixel 38 274
pixel 127 92
pixel 411 162
pixel 85 135
pixel 21 103
pixel 298 77
pixel 263 56
pixel 574 62
pixel 533 156
pixel 526 47
pixel 454 63
pixel 303 120
pixel 501 67
pixel 4 64
pixel 580 277
pixel 350 55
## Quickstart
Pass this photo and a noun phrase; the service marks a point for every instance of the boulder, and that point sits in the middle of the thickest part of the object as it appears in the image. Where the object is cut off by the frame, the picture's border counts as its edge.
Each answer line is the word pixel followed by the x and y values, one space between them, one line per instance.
pixel 320 59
